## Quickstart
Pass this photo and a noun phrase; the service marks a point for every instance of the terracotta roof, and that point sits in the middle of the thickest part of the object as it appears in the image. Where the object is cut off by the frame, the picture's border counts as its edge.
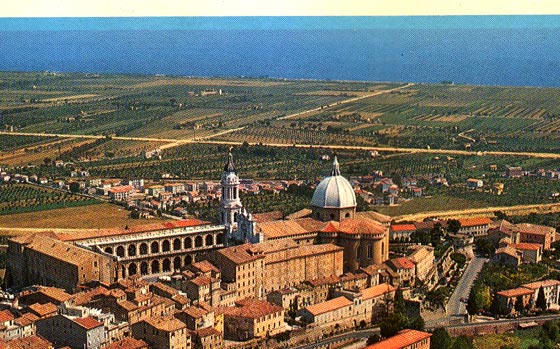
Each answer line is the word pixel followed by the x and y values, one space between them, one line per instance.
pixel 201 280
pixel 510 251
pixel 31 342
pixel 402 263
pixel 473 222
pixel 6 315
pixel 526 246
pixel 286 249
pixel 88 322
pixel 330 305
pixel 514 292
pixel 43 309
pixel 241 254
pixel 538 284
pixel 205 267
pixel 128 343
pixel 527 228
pixel 196 311
pixel 165 323
pixel 401 340
pixel 275 229
pixel 376 216
pixel 420 253
pixel 89 234
pixel 62 251
pixel 361 226
pixel 403 227
pixel 327 280
pixel 26 319
pixel 252 309
pixel 207 331
pixel 268 216
pixel 376 291
pixel 300 214
pixel 121 189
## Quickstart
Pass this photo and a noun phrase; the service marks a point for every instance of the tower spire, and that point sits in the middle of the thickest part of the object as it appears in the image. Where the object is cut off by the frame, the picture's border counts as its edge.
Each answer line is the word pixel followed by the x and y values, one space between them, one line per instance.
pixel 335 171
pixel 229 165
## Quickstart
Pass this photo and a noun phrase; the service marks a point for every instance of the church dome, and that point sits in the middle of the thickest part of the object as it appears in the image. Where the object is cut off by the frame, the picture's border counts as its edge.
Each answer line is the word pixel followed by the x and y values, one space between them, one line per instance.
pixel 334 191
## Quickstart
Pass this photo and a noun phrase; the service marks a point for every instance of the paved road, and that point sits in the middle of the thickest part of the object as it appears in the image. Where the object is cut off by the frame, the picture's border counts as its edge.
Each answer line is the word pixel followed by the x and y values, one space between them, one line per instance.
pixel 377 93
pixel 454 305
pixel 344 336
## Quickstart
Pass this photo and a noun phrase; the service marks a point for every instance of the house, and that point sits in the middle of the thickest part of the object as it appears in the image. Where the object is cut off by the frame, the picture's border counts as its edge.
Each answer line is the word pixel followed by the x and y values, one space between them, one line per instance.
pixel 507 255
pixel 401 231
pixel 162 332
pixel 507 299
pixel 474 226
pixel 174 188
pixel 473 183
pixel 533 233
pixel 252 318
pixel 405 339
pixel 339 309
pixel 514 171
pixel 120 193
pixel 154 190
pixel 75 332
pixel 423 259
pixel 530 253
pixel 405 269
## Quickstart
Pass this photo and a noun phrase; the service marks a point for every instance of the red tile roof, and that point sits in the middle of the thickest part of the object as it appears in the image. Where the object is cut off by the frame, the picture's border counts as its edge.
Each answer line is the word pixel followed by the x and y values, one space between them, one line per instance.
pixel 473 222
pixel 32 342
pixel 252 308
pixel 520 291
pixel 401 340
pixel 376 291
pixel 128 343
pixel 88 322
pixel 330 305
pixel 6 315
pixel 526 246
pixel 402 263
pixel 539 284
pixel 89 234
pixel 403 227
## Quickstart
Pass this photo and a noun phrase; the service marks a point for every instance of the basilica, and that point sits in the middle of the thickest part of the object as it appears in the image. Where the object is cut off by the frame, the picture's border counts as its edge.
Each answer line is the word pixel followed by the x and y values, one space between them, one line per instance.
pixel 331 219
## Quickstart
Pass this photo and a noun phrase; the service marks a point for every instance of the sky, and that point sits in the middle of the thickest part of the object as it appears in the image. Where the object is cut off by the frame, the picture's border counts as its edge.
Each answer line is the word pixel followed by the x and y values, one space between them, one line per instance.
pixel 140 8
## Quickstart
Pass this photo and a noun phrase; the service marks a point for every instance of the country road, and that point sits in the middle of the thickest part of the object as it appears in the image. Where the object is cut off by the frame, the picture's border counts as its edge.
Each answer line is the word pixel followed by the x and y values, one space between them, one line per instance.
pixel 373 94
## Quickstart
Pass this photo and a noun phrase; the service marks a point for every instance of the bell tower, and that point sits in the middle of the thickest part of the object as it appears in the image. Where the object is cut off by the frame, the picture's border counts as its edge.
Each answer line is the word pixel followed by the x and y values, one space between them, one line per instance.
pixel 230 204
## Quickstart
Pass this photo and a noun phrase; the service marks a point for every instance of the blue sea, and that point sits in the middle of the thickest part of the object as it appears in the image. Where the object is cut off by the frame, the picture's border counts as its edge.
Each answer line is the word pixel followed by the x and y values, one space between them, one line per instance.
pixel 489 50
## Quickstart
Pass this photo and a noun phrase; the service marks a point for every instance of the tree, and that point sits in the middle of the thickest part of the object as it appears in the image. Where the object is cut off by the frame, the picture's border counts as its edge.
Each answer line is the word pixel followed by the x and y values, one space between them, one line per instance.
pixel 479 299
pixel 374 338
pixel 551 330
pixel 440 339
pixel 462 342
pixel 392 324
pixel 47 161
pixel 399 301
pixel 417 324
pixel 541 300
pixel 453 226
pixel 519 304
pixel 74 187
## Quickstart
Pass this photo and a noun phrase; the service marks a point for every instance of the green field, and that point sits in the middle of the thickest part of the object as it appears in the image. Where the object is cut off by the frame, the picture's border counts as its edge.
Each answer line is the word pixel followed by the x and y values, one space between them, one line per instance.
pixel 20 198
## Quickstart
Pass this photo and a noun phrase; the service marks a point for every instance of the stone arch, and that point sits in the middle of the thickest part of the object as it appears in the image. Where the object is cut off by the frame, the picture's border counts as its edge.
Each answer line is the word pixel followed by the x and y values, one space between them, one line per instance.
pixel 132 269
pixel 144 268
pixel 131 250
pixel 154 248
pixel 108 250
pixel 176 244
pixel 209 240
pixel 166 265
pixel 120 251
pixel 155 267
pixel 165 246
pixel 331 216
pixel 347 215
pixel 188 242
pixel 143 248
pixel 220 238
pixel 198 241
pixel 188 259
pixel 177 263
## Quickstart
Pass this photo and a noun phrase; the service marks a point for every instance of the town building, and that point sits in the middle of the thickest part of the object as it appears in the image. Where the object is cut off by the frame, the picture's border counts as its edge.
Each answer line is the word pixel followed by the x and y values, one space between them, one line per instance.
pixel 74 332
pixel 424 262
pixel 162 332
pixel 251 318
pixel 474 226
pixel 120 193
pixel 230 203
pixel 405 269
pixel 401 231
